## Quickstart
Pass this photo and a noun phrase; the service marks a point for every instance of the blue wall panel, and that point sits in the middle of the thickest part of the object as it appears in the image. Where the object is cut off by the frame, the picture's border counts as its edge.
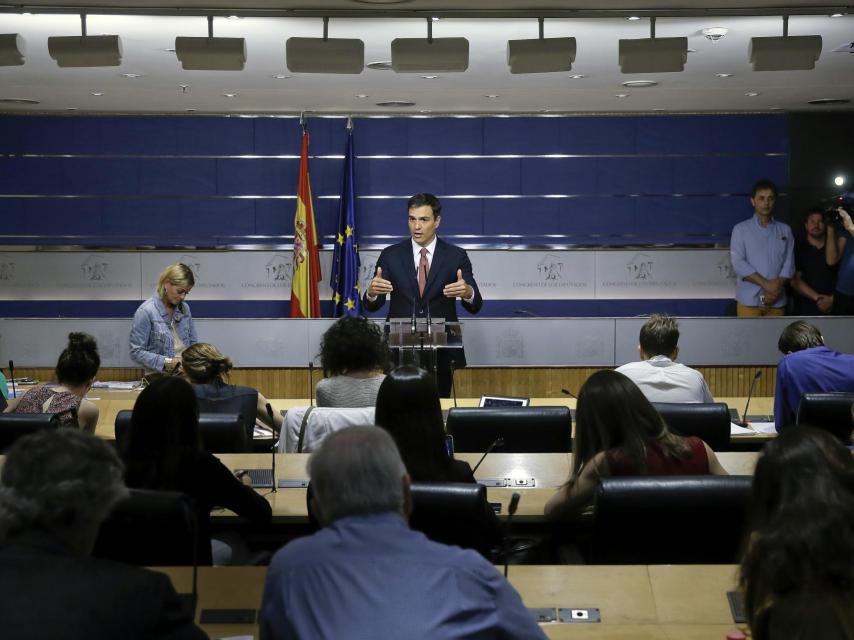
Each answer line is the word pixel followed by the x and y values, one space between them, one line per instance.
pixel 482 176
pixel 216 136
pixel 590 135
pixel 381 136
pixel 400 177
pixel 178 176
pixel 256 177
pixel 444 136
pixel 543 176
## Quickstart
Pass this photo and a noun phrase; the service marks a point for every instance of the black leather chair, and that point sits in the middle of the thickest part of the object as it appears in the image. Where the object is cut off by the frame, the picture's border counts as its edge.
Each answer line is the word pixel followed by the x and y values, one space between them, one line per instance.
pixel 220 432
pixel 669 520
pixel 246 405
pixel 455 513
pixel 15 425
pixel 152 529
pixel 524 429
pixel 708 421
pixel 830 411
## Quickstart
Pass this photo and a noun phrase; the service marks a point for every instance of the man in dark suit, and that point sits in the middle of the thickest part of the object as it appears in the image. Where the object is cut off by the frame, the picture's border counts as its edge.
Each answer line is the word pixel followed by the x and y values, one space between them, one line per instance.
pixel 426 272
pixel 55 490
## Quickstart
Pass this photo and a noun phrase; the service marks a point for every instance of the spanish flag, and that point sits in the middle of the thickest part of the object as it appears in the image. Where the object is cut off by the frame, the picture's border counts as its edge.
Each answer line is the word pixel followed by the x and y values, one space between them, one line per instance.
pixel 305 300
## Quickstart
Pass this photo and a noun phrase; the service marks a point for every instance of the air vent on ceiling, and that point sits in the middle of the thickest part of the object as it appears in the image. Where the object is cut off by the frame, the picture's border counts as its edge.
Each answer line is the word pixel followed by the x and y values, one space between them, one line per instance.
pixel 396 103
pixel 826 101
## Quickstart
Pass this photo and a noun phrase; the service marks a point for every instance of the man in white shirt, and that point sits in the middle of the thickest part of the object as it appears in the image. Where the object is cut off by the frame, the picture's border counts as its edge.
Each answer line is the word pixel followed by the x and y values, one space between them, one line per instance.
pixel 658 375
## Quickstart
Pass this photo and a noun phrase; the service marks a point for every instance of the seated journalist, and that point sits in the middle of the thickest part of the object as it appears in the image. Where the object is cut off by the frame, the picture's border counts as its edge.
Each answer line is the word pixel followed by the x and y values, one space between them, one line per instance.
pixel 56 489
pixel 366 574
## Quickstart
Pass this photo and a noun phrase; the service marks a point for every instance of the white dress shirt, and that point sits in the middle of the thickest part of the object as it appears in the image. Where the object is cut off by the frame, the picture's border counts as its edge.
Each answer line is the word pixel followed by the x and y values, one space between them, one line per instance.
pixel 662 380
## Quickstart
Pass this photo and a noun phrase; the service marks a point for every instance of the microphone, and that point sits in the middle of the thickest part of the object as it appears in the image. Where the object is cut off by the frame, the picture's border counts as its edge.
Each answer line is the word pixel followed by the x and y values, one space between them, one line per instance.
pixel 498 442
pixel 453 383
pixel 311 383
pixel 414 323
pixel 525 312
pixel 12 378
pixel 511 510
pixel 274 447
pixel 756 377
pixel 429 320
pixel 569 393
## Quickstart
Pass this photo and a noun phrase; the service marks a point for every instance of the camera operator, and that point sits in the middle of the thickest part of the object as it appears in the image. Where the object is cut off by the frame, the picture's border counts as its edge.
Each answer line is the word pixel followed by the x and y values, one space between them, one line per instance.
pixel 839 250
pixel 814 280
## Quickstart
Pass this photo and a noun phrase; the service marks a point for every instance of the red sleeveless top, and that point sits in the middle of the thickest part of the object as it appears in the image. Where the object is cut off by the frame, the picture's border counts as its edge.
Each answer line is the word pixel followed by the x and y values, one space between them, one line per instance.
pixel 659 464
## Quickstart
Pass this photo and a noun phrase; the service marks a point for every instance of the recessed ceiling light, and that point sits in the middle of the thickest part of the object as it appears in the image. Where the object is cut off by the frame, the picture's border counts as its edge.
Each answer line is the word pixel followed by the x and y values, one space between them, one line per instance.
pixel 234 17
pixel 633 18
pixel 131 75
pixel 169 50
pixel 434 18
pixel 18 101
pixel 189 109
pixel 832 15
pixel 280 76
pixel 362 95
pixel 723 75
pixel 491 95
pixel 426 111
pixel 639 84
pixel 396 103
pixel 27 13
pixel 752 94
pixel 380 65
pixel 429 77
pixel 839 181
pixel 71 108
pixel 659 109
pixel 97 93
pixel 826 101
pixel 622 95
pixel 715 33
pixel 229 95
pixel 577 76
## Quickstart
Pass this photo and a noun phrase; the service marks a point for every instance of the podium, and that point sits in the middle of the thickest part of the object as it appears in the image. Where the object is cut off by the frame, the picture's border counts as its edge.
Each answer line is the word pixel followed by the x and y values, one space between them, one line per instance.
pixel 420 341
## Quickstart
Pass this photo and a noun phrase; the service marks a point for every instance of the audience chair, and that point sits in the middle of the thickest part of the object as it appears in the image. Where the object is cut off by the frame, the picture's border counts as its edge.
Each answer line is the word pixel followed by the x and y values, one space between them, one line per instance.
pixel 454 513
pixel 669 520
pixel 244 405
pixel 15 425
pixel 830 411
pixel 220 432
pixel 306 427
pixel 708 421
pixel 152 529
pixel 524 429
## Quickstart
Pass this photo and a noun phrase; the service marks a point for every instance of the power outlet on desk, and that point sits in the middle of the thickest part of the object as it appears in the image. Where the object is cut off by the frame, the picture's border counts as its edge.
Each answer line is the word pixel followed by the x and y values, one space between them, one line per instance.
pixel 293 484
pixel 543 614
pixel 578 615
pixel 511 483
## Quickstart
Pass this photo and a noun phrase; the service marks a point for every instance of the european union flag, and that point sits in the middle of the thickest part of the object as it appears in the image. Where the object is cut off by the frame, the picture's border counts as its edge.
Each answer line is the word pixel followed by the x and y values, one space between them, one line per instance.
pixel 345 262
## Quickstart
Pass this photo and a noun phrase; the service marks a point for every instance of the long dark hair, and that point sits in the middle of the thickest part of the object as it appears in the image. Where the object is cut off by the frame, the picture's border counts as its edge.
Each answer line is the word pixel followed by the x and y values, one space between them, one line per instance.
pixel 408 408
pixel 801 533
pixel 613 415
pixel 164 433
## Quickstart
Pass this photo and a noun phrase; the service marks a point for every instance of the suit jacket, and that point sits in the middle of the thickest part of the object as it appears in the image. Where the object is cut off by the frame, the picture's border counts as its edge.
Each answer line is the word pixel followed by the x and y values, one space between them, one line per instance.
pixel 398 267
pixel 49 593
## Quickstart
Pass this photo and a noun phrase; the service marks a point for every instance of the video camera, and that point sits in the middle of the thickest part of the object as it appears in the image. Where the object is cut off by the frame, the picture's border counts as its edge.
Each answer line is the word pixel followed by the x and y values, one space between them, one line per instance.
pixel 844 200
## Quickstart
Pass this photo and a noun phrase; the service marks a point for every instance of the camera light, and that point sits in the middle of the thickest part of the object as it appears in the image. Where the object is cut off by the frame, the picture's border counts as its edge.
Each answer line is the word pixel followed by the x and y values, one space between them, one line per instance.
pixel 839 181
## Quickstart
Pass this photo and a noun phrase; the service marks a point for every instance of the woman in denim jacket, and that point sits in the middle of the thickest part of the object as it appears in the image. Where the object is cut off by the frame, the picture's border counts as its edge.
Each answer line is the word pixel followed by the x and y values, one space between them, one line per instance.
pixel 162 325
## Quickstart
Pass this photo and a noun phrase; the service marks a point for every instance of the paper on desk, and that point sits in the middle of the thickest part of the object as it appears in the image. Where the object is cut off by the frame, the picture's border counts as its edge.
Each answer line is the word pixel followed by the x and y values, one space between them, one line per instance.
pixel 738 430
pixel 114 384
pixel 755 427
pixel 764 427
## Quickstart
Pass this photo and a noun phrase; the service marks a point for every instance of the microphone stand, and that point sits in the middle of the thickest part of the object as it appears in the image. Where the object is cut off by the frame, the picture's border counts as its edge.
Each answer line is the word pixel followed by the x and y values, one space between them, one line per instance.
pixel 12 378
pixel 756 377
pixel 274 447
pixel 498 442
pixel 511 510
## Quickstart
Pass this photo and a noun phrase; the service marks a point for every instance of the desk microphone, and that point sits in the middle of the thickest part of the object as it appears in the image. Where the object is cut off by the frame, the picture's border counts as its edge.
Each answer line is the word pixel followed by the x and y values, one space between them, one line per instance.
pixel 756 377
pixel 12 378
pixel 511 510
pixel 498 442
pixel 569 393
pixel 275 445
pixel 453 383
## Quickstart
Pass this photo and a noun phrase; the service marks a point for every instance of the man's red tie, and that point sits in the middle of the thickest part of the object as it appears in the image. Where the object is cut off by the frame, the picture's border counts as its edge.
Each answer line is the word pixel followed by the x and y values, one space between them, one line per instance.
pixel 423 266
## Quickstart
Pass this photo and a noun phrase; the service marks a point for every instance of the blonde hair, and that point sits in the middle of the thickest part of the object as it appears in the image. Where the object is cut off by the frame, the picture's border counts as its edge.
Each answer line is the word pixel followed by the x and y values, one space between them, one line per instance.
pixel 177 274
pixel 204 363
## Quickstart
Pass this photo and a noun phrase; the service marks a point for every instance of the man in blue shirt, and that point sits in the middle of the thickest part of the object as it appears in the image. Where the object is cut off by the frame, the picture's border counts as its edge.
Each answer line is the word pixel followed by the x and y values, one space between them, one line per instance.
pixel 807 367
pixel 762 254
pixel 367 575
pixel 839 249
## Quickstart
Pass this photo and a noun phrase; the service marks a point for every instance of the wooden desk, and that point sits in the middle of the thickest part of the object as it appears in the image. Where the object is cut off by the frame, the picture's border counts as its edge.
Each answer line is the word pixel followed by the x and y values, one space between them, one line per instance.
pixel 686 601
pixel 549 471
